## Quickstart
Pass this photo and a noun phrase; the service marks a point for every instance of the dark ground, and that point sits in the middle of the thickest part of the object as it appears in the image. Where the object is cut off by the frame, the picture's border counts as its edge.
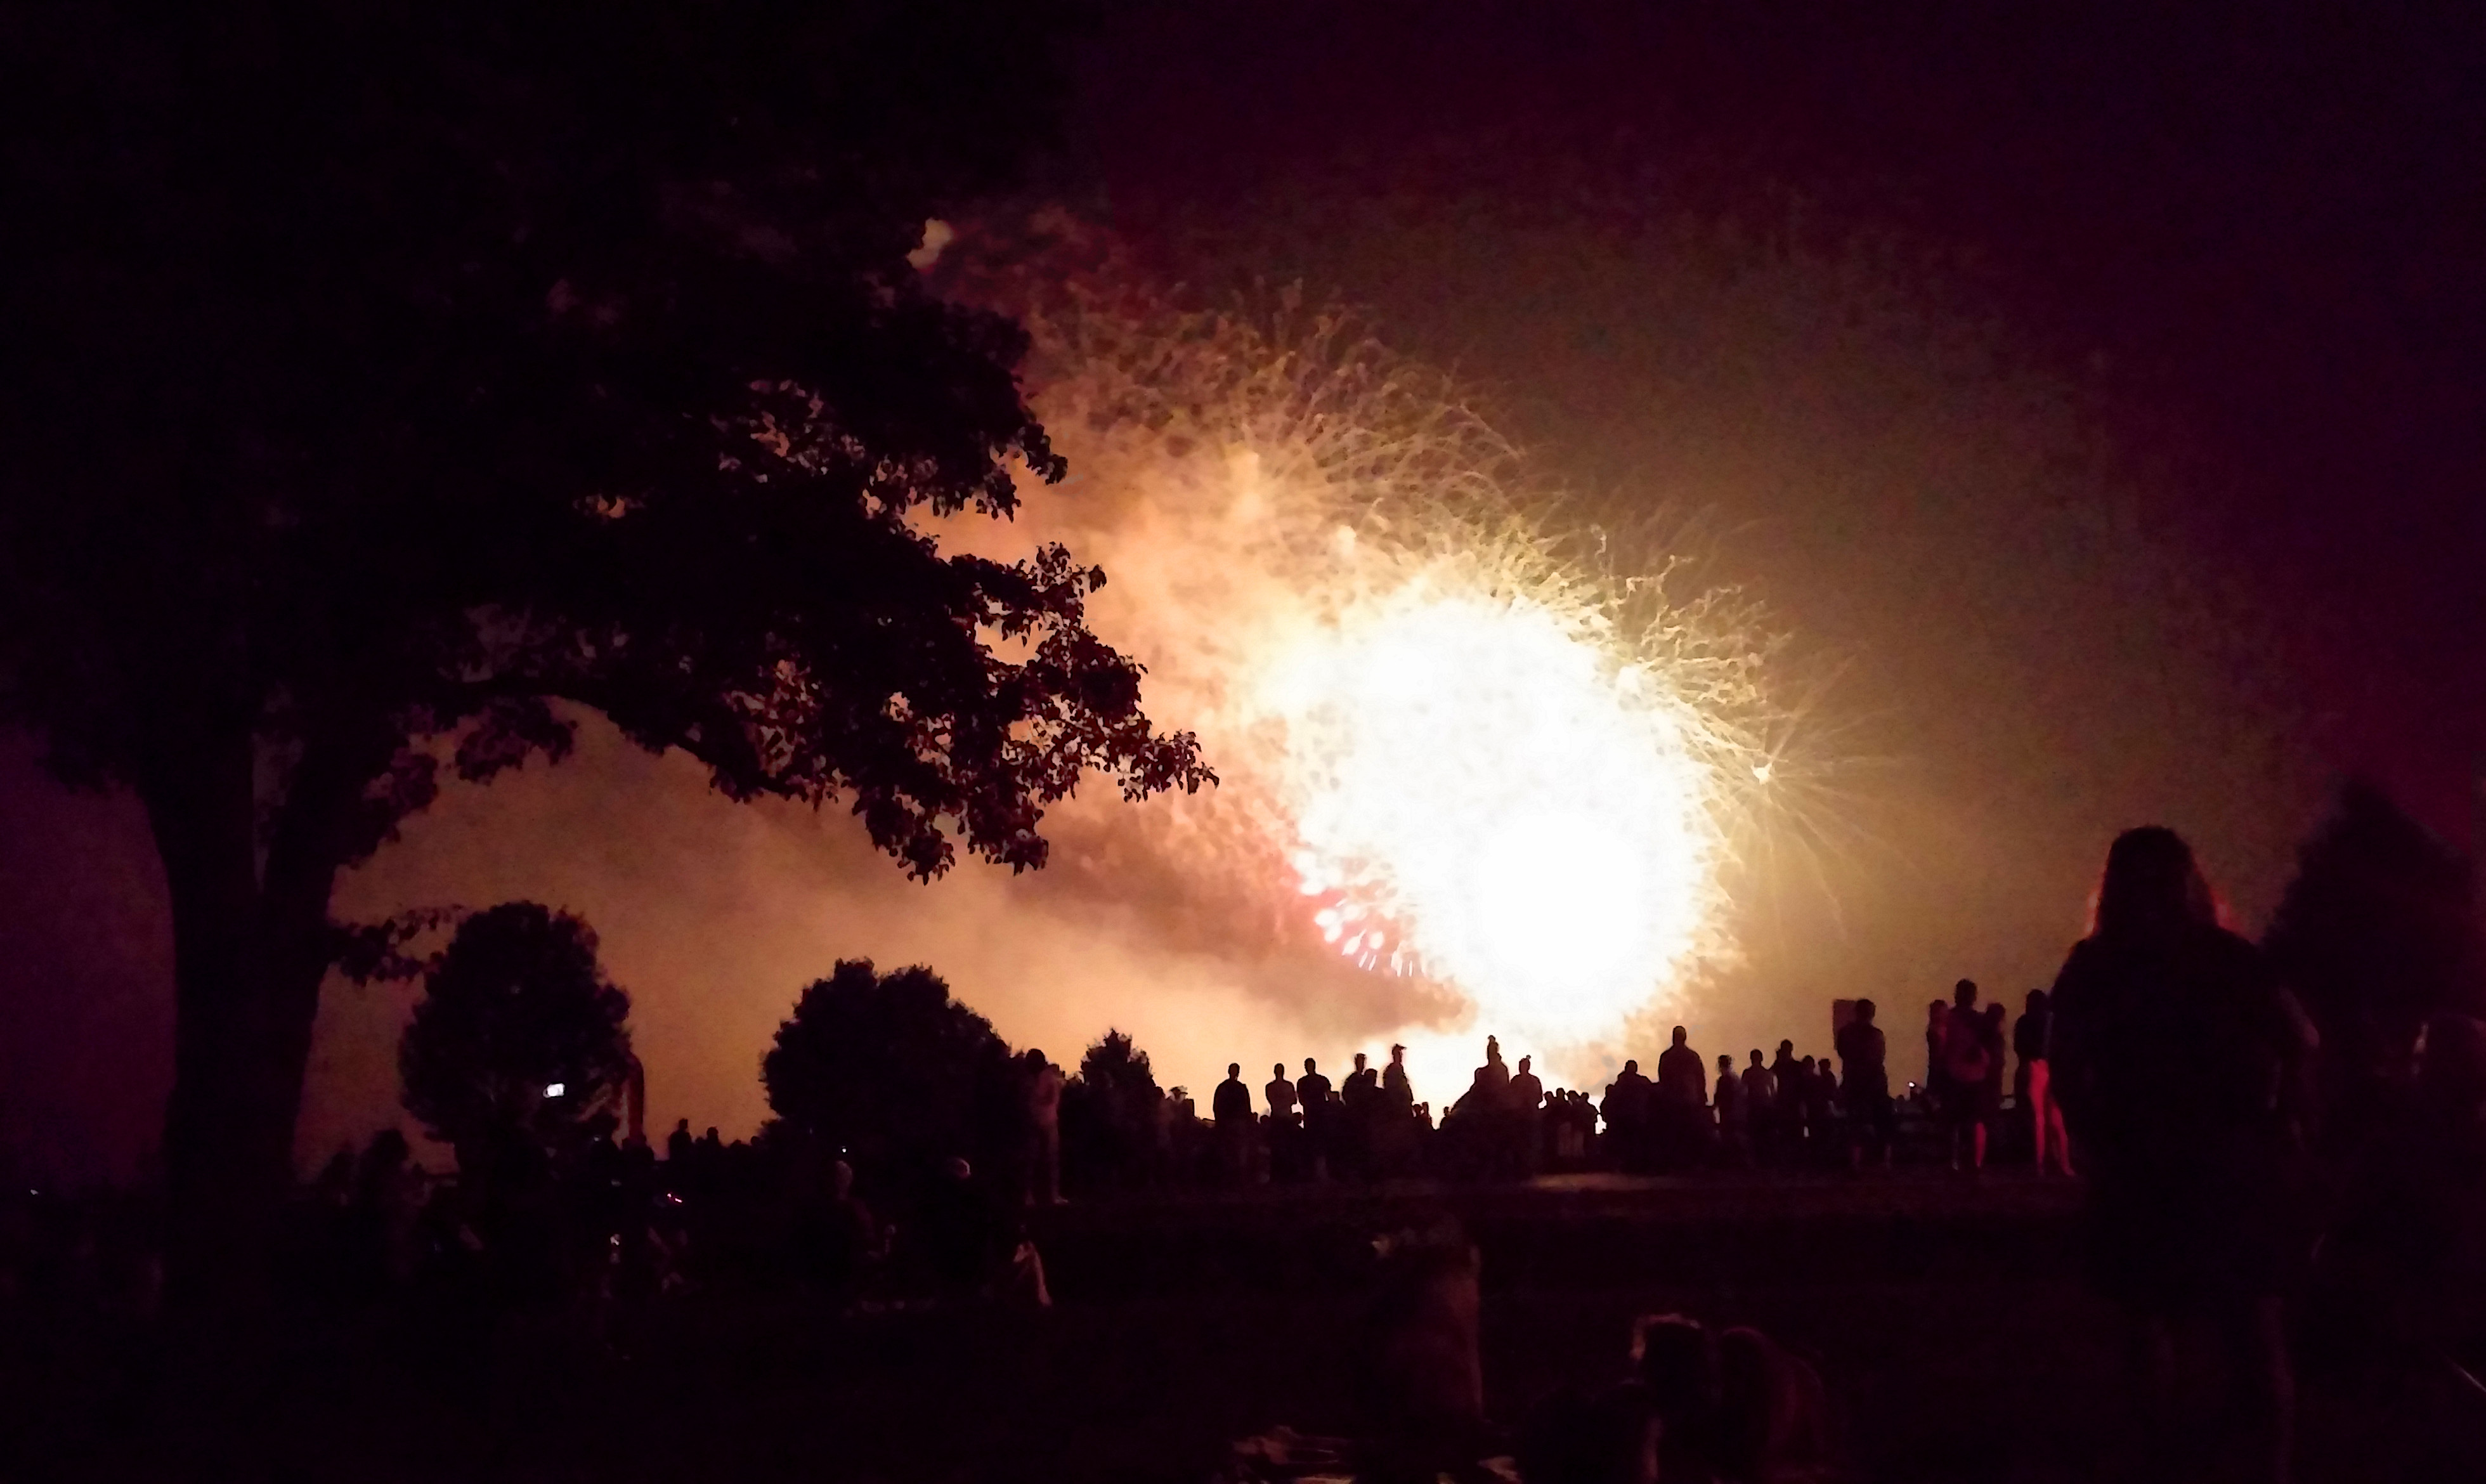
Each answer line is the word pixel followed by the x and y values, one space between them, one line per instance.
pixel 1948 1319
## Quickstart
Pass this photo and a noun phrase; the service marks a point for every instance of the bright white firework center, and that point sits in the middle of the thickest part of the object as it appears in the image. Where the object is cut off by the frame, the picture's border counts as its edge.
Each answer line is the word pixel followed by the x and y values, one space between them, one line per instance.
pixel 1483 792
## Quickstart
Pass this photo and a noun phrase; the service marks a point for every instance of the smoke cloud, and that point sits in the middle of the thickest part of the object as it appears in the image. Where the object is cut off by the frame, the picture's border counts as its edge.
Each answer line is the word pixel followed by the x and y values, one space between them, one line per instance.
pixel 1948 524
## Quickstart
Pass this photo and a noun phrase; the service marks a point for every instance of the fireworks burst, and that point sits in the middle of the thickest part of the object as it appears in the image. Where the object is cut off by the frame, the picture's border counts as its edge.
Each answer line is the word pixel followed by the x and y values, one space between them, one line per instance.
pixel 1469 743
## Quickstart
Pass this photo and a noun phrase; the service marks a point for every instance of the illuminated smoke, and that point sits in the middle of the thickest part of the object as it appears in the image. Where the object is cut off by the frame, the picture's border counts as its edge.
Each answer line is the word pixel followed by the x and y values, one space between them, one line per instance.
pixel 1498 759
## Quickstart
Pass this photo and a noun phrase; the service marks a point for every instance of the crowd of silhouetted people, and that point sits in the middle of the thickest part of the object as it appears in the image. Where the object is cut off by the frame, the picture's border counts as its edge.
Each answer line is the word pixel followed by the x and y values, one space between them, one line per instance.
pixel 2168 1065
pixel 1782 1112
pixel 610 1216
pixel 613 1221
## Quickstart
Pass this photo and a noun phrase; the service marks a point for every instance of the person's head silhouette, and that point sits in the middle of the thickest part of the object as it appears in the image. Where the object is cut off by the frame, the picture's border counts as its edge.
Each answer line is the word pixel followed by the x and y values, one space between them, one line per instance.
pixel 1398 1055
pixel 1631 1066
pixel 1964 994
pixel 2151 884
pixel 1278 1071
pixel 1787 1049
pixel 1035 1062
pixel 1309 1067
pixel 1678 1035
pixel 1234 1069
pixel 1524 1062
pixel 2037 1000
pixel 1757 1056
pixel 1359 1062
pixel 1864 1012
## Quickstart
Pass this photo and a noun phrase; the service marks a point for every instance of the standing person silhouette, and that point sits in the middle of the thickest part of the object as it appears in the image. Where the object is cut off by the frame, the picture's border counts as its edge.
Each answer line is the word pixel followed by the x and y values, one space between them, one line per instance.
pixel 2173 1046
pixel 1527 1091
pixel 2032 1037
pixel 1627 1114
pixel 1281 1094
pixel 1786 1122
pixel 1967 1069
pixel 1682 1101
pixel 1821 1125
pixel 1864 1057
pixel 1358 1100
pixel 1735 1120
pixel 1231 1107
pixel 1045 1129
pixel 1526 1097
pixel 1362 1086
pixel 1394 1117
pixel 1761 1108
pixel 1394 1085
pixel 1493 1079
pixel 1284 1134
pixel 1313 1091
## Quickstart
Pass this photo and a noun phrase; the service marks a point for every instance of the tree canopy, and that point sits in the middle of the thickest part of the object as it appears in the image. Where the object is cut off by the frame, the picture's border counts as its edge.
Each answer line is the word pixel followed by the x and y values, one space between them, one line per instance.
pixel 515 1005
pixel 2378 930
pixel 1113 1061
pixel 388 382
pixel 1108 1115
pixel 888 1067
pixel 394 371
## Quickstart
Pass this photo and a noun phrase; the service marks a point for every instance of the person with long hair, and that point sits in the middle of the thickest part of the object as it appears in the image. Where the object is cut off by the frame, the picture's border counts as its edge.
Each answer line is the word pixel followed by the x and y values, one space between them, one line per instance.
pixel 2172 1042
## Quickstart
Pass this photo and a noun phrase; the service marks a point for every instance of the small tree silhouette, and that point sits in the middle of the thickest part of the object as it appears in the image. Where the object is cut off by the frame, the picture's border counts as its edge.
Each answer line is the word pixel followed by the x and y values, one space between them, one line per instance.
pixel 2376 933
pixel 1104 1113
pixel 515 1006
pixel 1114 1062
pixel 888 1068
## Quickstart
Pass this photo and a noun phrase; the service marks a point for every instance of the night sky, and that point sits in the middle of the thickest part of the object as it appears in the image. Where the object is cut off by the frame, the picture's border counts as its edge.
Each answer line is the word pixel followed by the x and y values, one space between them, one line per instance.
pixel 2099 400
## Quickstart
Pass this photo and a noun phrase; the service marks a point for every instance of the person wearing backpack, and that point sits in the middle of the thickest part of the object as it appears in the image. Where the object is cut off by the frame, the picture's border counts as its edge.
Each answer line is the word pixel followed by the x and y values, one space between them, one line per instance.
pixel 1967 1053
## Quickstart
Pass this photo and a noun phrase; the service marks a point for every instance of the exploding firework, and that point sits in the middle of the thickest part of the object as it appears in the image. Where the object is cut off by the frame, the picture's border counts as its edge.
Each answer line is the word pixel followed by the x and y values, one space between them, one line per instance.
pixel 1461 742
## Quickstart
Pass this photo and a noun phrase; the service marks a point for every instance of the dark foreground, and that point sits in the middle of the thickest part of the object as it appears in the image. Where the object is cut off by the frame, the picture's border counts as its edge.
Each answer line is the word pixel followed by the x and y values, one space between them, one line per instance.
pixel 1947 1317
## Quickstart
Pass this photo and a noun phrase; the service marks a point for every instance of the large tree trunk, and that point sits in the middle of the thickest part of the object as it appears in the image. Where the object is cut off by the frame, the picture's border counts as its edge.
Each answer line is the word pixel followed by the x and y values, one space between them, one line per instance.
pixel 249 951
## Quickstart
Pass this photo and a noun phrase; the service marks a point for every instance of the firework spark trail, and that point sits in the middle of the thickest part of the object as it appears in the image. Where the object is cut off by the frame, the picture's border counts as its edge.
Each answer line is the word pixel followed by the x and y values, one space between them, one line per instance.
pixel 1470 747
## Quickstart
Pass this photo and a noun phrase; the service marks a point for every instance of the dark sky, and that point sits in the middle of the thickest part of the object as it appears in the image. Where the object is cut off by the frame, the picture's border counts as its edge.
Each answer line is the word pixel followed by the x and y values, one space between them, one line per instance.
pixel 2099 391
pixel 2246 238
pixel 2100 388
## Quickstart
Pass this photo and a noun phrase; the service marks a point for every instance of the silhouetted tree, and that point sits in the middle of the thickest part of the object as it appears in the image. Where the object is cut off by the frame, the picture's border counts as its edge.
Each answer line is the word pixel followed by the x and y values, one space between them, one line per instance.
pixel 1105 1112
pixel 2376 933
pixel 388 383
pixel 515 1005
pixel 889 1067
pixel 1114 1061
